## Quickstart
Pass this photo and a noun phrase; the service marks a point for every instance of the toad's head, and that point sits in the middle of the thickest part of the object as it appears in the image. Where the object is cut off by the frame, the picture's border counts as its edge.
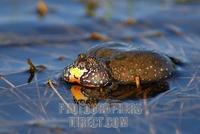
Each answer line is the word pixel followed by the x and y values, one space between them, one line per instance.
pixel 87 71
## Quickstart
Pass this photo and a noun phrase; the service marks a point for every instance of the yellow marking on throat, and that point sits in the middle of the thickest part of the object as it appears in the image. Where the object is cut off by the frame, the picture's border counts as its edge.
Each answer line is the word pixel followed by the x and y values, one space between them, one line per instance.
pixel 77 72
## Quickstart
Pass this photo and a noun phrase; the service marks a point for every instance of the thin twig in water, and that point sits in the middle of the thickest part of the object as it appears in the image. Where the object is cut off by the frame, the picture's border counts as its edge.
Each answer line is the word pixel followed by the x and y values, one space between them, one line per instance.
pixel 58 94
pixel 39 96
pixel 17 94
pixel 8 82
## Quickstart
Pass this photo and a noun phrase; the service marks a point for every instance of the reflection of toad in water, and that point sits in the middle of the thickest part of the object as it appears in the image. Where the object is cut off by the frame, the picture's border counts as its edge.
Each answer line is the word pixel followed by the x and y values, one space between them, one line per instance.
pixel 91 96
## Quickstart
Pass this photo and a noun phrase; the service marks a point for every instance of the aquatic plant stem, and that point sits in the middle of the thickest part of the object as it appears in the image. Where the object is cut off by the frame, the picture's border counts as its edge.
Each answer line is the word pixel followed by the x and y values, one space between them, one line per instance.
pixel 58 94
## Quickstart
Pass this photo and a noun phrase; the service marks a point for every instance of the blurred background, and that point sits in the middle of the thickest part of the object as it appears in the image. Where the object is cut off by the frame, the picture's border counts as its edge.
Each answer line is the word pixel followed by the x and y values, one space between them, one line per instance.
pixel 52 33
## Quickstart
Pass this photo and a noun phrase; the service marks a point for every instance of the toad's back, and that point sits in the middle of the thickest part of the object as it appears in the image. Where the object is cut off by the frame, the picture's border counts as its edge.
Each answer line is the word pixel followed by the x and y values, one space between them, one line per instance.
pixel 125 65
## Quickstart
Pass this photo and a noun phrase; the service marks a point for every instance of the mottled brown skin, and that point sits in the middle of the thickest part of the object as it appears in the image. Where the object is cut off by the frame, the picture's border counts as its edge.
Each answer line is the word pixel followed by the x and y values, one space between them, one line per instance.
pixel 147 65
pixel 91 72
pixel 118 63
pixel 125 65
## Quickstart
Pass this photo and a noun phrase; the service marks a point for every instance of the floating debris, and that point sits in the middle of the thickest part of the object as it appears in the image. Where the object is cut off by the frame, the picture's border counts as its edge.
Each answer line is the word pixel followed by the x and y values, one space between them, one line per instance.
pixel 53 82
pixel 42 8
pixel 130 21
pixel 41 68
pixel 32 70
pixel 61 58
pixel 90 7
pixel 98 36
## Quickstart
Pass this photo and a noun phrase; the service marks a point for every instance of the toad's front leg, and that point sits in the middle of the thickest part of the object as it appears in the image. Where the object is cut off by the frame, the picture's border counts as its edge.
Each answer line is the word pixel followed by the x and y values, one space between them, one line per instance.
pixel 138 81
